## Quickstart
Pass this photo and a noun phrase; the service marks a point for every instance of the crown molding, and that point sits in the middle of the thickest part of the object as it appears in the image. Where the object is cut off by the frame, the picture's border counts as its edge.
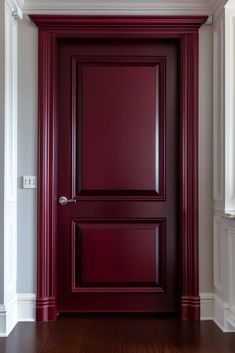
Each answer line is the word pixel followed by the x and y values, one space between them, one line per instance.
pixel 15 7
pixel 119 7
pixel 128 7
pixel 230 4
pixel 218 8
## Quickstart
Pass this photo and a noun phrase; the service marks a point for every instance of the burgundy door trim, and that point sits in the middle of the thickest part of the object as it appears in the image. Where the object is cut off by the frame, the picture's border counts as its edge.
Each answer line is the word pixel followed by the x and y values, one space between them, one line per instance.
pixel 185 29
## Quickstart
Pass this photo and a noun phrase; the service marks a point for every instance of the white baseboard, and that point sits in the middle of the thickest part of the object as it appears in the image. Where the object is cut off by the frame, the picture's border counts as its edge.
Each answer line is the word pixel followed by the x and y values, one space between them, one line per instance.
pixel 8 317
pixel 26 306
pixel 20 308
pixel 214 308
pixel 224 318
pixel 231 318
pixel 207 305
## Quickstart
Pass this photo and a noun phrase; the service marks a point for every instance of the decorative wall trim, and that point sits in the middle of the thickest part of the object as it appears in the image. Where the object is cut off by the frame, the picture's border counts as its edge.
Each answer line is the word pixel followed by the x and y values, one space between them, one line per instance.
pixel 207 306
pixel 26 303
pixel 186 30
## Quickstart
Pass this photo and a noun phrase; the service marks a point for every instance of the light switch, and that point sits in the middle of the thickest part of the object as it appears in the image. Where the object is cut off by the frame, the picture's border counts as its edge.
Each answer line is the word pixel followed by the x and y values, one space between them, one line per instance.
pixel 29 182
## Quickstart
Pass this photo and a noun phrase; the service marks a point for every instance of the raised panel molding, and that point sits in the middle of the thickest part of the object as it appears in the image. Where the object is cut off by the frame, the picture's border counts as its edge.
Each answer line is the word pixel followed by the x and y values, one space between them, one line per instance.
pixel 231 274
pixel 86 252
pixel 224 264
pixel 218 253
pixel 142 191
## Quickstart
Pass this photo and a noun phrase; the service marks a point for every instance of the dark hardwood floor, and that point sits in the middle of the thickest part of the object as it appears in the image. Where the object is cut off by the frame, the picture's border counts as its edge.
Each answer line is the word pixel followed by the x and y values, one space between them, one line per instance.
pixel 117 334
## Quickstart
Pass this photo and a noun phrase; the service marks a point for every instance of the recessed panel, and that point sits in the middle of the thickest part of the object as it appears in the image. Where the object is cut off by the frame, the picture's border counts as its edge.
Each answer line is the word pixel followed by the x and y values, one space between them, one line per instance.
pixel 120 144
pixel 114 256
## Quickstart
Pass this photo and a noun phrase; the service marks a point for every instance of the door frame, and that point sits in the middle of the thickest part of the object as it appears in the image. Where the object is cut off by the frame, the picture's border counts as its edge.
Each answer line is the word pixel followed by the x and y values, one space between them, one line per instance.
pixel 185 30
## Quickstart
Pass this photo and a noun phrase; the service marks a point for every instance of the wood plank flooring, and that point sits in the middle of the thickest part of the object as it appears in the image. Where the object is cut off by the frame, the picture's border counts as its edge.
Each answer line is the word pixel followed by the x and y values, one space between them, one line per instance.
pixel 117 334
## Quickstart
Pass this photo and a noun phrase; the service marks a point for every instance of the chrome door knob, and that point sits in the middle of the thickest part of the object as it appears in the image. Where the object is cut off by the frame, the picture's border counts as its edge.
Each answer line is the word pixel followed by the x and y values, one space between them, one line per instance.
pixel 63 200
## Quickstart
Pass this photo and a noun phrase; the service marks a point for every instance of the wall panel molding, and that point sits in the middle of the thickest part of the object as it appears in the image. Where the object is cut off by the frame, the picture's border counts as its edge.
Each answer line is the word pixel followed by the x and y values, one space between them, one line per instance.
pixel 218 253
pixel 224 169
pixel 231 274
pixel 224 274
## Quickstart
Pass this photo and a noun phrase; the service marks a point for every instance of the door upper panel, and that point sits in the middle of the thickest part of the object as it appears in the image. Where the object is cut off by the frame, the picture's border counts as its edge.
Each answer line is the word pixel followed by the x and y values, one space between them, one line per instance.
pixel 120 101
pixel 119 147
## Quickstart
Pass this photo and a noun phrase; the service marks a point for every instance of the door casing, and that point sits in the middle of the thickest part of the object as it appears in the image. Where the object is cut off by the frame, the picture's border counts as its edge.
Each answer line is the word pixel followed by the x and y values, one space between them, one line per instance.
pixel 185 31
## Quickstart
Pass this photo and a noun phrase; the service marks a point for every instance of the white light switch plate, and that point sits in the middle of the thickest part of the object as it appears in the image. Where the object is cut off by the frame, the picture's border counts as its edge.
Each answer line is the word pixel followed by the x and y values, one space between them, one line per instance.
pixel 29 182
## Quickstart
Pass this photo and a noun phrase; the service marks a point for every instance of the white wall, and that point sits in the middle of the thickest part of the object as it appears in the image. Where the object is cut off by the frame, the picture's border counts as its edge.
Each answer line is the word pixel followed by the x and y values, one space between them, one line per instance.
pixel 27 155
pixel 27 142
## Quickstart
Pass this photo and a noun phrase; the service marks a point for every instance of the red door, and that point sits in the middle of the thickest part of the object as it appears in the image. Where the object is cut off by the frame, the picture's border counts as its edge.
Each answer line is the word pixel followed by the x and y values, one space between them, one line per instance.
pixel 118 159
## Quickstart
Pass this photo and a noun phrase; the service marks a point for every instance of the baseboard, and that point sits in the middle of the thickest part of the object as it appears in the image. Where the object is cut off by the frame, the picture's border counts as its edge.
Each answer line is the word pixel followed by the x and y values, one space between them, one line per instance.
pixel 20 308
pixel 45 309
pixel 224 318
pixel 214 308
pixel 207 305
pixel 26 303
pixel 190 308
pixel 23 308
pixel 8 317
pixel 231 319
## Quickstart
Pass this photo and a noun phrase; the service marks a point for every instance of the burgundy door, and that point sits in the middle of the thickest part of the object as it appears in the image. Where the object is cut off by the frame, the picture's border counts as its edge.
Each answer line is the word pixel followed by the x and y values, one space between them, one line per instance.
pixel 118 158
